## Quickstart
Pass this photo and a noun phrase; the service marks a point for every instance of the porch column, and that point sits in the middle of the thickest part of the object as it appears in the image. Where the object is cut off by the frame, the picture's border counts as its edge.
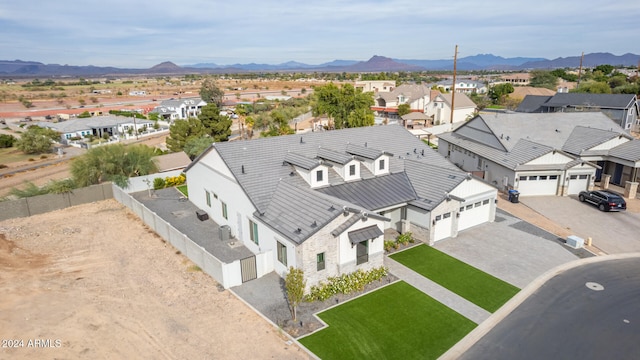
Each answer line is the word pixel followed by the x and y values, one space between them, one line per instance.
pixel 604 181
pixel 630 189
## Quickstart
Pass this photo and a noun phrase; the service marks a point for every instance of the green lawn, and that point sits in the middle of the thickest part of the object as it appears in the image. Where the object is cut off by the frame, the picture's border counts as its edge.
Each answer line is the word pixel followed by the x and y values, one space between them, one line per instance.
pixel 183 189
pixel 394 322
pixel 482 289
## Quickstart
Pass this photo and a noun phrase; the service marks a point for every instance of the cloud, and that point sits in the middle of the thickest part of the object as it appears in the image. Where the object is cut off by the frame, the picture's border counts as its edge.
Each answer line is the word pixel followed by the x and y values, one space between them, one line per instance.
pixel 142 33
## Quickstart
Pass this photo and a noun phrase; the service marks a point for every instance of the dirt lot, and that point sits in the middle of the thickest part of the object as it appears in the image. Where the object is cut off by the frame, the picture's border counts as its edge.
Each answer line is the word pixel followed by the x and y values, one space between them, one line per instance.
pixel 92 282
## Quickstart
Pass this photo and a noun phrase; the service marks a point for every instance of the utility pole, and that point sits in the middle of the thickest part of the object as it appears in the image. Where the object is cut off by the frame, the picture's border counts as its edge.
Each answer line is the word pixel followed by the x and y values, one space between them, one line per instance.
pixel 580 71
pixel 453 86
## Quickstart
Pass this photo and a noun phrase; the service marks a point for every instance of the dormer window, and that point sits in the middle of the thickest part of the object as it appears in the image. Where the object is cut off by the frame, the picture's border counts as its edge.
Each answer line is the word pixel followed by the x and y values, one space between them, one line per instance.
pixel 319 176
pixel 352 170
pixel 381 164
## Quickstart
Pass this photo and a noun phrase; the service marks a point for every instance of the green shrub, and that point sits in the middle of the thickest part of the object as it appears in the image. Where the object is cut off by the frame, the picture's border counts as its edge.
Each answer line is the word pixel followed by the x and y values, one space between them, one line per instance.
pixel 345 284
pixel 158 183
pixel 388 245
pixel 405 239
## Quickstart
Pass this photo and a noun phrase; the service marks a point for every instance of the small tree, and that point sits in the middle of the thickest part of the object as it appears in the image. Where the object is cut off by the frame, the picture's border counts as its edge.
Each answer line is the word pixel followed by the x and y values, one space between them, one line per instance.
pixel 295 284
pixel 404 109
pixel 37 140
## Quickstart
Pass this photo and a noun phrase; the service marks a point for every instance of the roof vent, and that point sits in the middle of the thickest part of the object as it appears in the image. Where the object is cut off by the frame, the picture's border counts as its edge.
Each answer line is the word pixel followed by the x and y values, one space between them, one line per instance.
pixel 422 152
pixel 507 137
pixel 557 130
pixel 314 224
pixel 365 144
pixel 298 231
pixel 242 169
pixel 301 141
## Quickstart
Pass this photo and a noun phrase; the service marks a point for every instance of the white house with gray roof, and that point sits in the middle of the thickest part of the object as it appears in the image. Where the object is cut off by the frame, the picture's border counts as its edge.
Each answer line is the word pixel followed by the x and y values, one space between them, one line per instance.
pixel 543 154
pixel 114 126
pixel 322 201
pixel 179 109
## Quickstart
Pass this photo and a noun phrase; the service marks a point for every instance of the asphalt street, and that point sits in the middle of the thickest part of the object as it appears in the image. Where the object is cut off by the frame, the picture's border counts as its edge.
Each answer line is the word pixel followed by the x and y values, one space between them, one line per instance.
pixel 587 312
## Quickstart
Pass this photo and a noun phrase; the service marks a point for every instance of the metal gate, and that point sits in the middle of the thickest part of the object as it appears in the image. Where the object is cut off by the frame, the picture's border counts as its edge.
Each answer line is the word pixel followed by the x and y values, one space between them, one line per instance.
pixel 248 269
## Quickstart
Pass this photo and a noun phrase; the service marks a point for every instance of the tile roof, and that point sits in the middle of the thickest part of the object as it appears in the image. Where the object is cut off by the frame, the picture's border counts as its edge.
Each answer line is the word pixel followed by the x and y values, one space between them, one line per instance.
pixel 628 151
pixel 411 93
pixel 584 138
pixel 533 103
pixel 388 190
pixel 288 205
pixel 609 101
pixel 462 101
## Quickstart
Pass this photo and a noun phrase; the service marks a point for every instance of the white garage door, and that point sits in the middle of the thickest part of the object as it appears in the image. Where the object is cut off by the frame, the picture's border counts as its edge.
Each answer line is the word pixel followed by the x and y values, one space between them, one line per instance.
pixel 537 184
pixel 442 228
pixel 474 213
pixel 577 183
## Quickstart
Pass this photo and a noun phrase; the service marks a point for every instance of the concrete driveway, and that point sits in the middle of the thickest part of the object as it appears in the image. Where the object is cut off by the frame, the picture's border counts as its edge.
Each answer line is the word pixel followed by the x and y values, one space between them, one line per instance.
pixel 510 249
pixel 614 232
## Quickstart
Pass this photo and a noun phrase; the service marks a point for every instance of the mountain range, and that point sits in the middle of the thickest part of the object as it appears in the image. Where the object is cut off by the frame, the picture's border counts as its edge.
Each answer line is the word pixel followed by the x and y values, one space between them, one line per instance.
pixel 19 68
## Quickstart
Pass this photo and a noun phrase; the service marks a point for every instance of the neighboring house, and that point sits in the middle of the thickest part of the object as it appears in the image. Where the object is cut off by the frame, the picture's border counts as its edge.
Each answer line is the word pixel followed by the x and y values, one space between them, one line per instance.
pixel 519 79
pixel 440 108
pixel 621 108
pixel 375 86
pixel 179 109
pixel 463 86
pixel 416 96
pixel 114 126
pixel 322 201
pixel 543 154
pixel 173 161
pixel 520 92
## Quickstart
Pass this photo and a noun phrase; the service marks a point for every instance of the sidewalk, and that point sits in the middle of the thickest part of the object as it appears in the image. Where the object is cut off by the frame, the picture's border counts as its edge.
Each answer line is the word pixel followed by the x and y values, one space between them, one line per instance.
pixel 462 306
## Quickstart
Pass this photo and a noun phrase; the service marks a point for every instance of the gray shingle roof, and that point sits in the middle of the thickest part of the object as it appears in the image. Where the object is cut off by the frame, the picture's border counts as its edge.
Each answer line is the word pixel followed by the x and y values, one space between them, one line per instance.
pixel 432 183
pixel 363 151
pixel 301 161
pixel 550 129
pixel 532 103
pixel 607 101
pixel 375 193
pixel 525 137
pixel 411 93
pixel 334 156
pixel 584 138
pixel 286 203
pixel 628 151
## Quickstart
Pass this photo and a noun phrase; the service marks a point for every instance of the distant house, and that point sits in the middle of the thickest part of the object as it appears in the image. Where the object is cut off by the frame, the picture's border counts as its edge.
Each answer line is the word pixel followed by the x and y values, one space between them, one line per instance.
pixel 623 109
pixel 173 161
pixel 179 109
pixel 440 108
pixel 543 154
pixel 518 79
pixel 416 96
pixel 113 126
pixel 137 93
pixel 462 86
pixel 375 86
pixel 322 201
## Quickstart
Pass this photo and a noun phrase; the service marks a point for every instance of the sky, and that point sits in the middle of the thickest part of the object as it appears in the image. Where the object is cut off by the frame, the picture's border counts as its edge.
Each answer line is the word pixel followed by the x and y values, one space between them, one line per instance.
pixel 144 33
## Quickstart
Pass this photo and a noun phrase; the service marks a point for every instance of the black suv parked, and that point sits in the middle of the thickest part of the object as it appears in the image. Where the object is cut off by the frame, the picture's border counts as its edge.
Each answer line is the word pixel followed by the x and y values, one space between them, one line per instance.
pixel 604 200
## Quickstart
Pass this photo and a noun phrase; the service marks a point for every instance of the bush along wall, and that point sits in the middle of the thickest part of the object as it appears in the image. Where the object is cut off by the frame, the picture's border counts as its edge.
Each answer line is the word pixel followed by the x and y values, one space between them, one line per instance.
pixel 345 284
pixel 169 181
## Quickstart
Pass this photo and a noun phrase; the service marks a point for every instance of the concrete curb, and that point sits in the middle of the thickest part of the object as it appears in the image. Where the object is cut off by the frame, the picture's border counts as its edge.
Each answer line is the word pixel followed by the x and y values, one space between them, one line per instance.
pixel 468 341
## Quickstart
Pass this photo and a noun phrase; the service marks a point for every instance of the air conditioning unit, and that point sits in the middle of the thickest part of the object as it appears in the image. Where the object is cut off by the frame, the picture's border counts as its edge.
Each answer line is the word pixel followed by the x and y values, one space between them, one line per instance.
pixel 202 215
pixel 225 233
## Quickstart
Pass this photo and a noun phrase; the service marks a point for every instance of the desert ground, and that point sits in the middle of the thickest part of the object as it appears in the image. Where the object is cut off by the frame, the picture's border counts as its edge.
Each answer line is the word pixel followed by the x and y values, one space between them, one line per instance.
pixel 92 281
